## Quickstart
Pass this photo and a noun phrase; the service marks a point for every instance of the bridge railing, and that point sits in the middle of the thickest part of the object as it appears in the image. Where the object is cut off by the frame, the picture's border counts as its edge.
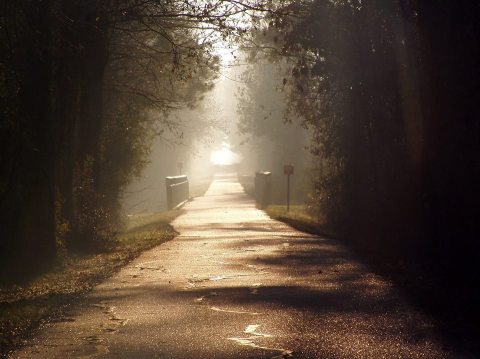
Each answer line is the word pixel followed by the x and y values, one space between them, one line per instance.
pixel 178 191
pixel 263 188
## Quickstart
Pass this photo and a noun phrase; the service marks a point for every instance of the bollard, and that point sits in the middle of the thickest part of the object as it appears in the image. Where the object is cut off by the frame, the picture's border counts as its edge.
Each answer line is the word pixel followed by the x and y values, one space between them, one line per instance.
pixel 177 191
pixel 263 188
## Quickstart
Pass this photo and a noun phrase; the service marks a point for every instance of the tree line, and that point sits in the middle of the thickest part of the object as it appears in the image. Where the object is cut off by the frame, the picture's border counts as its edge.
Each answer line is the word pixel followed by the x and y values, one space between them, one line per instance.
pixel 85 87
pixel 389 93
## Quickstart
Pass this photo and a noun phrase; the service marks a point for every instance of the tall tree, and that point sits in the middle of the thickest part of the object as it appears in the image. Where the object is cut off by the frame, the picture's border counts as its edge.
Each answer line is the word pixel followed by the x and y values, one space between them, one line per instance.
pixel 59 71
pixel 388 89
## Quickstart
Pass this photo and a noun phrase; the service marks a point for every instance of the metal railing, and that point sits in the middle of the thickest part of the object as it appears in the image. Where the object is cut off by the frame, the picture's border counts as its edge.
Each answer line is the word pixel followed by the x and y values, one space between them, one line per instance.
pixel 177 191
pixel 263 188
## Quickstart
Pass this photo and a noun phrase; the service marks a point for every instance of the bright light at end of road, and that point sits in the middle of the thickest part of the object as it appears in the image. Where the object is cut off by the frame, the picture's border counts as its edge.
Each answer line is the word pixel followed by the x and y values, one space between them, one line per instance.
pixel 224 156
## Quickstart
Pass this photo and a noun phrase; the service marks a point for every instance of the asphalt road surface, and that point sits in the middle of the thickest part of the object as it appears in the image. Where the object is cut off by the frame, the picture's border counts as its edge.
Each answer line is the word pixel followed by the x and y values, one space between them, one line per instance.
pixel 237 284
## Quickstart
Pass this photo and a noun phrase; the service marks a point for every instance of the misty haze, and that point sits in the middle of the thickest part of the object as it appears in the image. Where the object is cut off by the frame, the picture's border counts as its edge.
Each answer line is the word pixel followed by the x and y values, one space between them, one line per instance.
pixel 239 179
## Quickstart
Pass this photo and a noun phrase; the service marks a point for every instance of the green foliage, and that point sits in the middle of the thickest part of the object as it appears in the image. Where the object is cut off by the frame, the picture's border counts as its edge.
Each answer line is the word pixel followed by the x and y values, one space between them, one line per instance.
pixel 92 217
pixel 62 226
pixel 148 78
pixel 379 89
pixel 344 84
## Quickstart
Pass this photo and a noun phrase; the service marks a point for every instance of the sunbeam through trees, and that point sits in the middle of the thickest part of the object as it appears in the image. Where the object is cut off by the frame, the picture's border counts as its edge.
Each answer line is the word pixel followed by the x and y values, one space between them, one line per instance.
pixel 370 107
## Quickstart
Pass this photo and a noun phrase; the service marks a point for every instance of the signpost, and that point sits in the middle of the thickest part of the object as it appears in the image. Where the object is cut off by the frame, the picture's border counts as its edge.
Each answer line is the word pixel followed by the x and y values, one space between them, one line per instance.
pixel 288 171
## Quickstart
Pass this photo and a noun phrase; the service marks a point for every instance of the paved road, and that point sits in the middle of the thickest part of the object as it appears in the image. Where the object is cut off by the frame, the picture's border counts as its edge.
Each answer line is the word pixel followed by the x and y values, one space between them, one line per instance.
pixel 236 284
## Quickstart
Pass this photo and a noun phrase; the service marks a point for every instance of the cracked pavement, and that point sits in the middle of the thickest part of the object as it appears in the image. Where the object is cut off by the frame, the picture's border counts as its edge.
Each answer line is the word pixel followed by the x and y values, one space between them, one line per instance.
pixel 237 284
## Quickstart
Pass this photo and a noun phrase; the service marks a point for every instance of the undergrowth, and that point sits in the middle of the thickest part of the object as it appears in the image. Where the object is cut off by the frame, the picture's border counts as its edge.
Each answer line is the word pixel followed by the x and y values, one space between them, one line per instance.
pixel 23 307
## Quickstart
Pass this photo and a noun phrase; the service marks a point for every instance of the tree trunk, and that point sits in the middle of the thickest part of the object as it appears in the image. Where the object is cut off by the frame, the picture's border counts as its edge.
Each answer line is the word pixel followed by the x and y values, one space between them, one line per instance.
pixel 29 211
pixel 93 61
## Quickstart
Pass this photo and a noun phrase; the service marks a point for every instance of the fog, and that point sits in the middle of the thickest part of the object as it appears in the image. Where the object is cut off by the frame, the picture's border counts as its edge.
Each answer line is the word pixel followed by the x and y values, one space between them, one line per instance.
pixel 242 125
pixel 366 110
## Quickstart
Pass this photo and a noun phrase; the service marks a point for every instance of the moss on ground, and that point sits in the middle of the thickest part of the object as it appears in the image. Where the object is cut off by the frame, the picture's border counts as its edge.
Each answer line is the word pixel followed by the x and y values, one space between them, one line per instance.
pixel 23 307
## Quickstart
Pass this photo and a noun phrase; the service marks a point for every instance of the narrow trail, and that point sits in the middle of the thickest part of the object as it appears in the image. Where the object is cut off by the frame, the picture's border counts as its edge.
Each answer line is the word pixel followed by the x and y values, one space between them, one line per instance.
pixel 237 284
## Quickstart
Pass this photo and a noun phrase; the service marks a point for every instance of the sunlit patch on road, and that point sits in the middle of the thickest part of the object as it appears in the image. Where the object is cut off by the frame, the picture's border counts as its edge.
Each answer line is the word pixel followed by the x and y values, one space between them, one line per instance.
pixel 217 278
pixel 217 309
pixel 248 341
pixel 308 299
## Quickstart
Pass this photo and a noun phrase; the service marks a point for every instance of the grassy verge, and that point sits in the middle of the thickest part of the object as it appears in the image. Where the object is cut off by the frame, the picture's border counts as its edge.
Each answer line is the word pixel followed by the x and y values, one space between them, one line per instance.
pixel 423 285
pixel 298 218
pixel 23 307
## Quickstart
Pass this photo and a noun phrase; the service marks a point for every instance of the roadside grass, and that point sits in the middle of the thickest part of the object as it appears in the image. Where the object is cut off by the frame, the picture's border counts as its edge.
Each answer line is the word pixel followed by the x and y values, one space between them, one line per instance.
pixel 298 217
pixel 24 307
pixel 419 281
pixel 297 212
